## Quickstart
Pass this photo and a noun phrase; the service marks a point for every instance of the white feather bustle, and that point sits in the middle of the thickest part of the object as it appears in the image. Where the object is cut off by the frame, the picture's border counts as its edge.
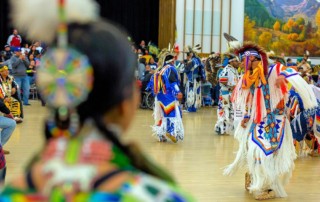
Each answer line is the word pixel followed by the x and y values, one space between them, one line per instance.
pixel 234 45
pixel 39 19
pixel 305 91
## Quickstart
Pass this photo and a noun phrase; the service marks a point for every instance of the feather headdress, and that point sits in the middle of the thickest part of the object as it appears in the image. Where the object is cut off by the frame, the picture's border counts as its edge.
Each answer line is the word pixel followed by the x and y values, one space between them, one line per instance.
pixel 164 54
pixel 250 48
pixel 232 42
pixel 195 49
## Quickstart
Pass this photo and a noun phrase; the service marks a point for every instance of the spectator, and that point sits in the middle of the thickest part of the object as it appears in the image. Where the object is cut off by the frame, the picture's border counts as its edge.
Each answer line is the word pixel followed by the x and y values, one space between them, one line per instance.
pixel 146 55
pixel 5 58
pixel 33 51
pixel 20 64
pixel 153 65
pixel 25 49
pixel 147 76
pixel 7 125
pixel 304 64
pixel 8 53
pixel 14 40
pixel 141 68
pixel 290 63
pixel 10 95
pixel 31 69
pixel 37 44
pixel 142 44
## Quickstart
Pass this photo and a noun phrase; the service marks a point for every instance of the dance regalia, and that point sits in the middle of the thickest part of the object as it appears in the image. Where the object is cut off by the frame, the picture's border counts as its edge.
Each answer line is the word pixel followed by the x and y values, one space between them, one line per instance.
pixel 75 173
pixel 304 124
pixel 195 73
pixel 266 143
pixel 14 104
pixel 167 113
pixel 228 79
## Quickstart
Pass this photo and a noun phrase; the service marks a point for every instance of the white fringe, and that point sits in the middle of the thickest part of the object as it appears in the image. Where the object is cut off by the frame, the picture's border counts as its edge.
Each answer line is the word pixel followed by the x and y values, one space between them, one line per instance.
pixel 241 134
pixel 275 93
pixel 39 18
pixel 160 131
pixel 276 169
pixel 240 97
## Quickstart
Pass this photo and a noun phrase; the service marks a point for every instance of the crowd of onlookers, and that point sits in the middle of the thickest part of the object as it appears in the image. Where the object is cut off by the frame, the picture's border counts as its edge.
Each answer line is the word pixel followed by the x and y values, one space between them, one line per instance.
pixel 19 61
pixel 22 60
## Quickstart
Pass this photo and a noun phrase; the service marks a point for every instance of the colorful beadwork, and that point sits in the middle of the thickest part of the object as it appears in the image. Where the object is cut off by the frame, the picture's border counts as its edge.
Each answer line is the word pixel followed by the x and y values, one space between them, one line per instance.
pixel 65 77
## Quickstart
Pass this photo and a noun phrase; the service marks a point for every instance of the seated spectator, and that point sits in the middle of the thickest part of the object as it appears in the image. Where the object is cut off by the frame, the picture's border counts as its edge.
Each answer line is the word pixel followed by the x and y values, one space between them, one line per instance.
pixel 10 95
pixel 8 53
pixel 302 62
pixel 147 76
pixel 144 84
pixel 7 126
pixel 153 65
pixel 290 63
pixel 141 68
pixel 146 55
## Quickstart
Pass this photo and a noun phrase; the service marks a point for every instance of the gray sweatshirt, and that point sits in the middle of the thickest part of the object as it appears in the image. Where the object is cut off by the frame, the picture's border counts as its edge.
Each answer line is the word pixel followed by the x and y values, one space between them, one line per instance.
pixel 19 67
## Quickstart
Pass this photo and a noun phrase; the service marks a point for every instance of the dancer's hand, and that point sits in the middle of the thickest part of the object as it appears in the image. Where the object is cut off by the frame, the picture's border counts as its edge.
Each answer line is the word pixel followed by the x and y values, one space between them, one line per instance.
pixel 179 96
pixel 244 122
pixel 280 80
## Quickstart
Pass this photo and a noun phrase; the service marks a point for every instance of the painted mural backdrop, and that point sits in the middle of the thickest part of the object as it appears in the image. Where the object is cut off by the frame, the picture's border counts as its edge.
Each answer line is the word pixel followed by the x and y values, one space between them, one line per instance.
pixel 284 26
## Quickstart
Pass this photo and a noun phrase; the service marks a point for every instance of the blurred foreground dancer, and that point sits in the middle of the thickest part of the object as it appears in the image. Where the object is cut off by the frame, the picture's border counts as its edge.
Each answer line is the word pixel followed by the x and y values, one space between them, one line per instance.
pixel 93 97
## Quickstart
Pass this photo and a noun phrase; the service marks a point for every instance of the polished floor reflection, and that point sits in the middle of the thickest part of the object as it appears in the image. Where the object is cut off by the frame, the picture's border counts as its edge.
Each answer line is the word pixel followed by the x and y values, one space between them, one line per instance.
pixel 197 162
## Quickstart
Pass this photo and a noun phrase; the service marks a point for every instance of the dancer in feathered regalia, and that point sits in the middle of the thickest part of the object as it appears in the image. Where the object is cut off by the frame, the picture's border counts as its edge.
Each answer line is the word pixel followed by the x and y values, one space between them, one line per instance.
pixel 265 136
pixel 167 113
pixel 228 79
pixel 195 74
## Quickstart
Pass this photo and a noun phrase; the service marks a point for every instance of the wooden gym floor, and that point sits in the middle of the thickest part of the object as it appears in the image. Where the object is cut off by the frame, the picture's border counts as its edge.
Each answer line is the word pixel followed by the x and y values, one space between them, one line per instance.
pixel 196 163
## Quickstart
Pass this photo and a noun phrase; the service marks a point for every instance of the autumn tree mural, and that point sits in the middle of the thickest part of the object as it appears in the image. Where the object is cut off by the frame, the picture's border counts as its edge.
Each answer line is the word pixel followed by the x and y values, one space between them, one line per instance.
pixel 284 26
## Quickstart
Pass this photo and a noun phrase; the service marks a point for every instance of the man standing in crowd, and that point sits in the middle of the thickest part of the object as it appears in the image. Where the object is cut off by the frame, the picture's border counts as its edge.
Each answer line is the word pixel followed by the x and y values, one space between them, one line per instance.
pixel 14 40
pixel 20 64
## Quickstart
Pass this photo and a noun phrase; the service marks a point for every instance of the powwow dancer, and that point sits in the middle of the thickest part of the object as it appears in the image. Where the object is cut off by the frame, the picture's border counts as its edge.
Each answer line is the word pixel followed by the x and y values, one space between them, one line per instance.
pixel 264 135
pixel 165 87
pixel 228 79
pixel 195 72
pixel 305 124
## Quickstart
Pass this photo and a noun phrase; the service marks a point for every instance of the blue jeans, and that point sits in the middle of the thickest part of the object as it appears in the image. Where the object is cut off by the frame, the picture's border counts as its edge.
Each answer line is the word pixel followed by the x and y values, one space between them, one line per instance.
pixel 32 80
pixel 24 85
pixel 7 125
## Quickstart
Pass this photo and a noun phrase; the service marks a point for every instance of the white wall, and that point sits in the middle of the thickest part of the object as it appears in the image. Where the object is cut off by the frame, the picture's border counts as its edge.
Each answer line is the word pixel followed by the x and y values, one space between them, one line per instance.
pixel 209 36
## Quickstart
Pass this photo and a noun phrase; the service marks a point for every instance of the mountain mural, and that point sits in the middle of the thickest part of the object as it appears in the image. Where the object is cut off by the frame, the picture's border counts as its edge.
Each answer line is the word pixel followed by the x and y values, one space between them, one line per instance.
pixel 284 9
pixel 285 26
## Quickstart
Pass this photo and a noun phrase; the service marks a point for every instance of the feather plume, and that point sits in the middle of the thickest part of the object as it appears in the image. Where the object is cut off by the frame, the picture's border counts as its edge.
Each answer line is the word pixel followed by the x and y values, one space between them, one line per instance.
pixel 229 38
pixel 39 19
